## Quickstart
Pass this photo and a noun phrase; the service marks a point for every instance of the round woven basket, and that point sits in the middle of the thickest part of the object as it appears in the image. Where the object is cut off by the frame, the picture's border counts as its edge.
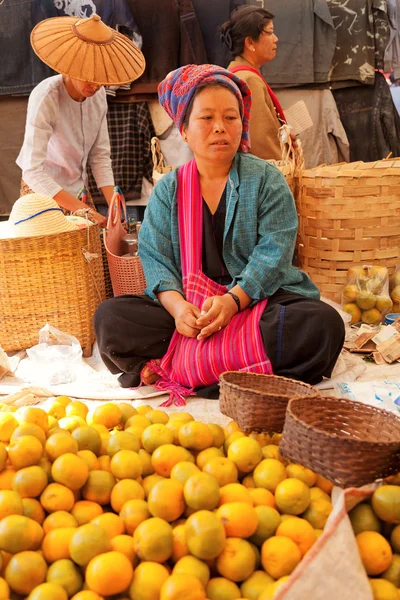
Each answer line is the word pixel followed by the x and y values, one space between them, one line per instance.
pixel 56 279
pixel 347 442
pixel 349 215
pixel 258 402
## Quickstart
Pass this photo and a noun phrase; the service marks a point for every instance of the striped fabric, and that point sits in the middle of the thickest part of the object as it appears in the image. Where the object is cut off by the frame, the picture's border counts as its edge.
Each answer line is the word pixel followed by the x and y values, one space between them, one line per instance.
pixel 190 363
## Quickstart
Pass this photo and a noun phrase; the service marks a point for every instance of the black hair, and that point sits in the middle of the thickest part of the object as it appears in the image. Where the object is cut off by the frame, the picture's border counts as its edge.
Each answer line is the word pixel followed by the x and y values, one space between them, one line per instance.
pixel 199 88
pixel 245 21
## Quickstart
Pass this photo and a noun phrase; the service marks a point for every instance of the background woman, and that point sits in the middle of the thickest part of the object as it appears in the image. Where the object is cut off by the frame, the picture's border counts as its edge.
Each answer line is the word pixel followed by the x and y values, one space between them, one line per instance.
pixel 249 35
pixel 216 246
pixel 66 125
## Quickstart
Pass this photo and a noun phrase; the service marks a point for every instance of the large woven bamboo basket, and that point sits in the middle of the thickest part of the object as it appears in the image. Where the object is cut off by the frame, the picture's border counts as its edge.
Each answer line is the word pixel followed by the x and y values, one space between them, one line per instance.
pixel 348 442
pixel 56 279
pixel 349 214
pixel 258 402
pixel 287 170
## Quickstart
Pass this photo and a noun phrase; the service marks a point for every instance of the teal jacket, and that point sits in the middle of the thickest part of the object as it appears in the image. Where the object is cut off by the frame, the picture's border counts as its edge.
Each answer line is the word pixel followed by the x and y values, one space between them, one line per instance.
pixel 259 237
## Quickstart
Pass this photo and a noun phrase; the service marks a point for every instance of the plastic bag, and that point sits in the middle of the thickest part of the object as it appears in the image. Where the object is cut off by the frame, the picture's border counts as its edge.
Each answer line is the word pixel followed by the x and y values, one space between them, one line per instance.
pixel 54 355
pixel 395 290
pixel 366 294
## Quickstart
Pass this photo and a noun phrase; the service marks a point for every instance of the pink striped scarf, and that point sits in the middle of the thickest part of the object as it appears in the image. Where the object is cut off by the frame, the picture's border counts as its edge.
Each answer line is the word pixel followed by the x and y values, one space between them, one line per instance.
pixel 189 363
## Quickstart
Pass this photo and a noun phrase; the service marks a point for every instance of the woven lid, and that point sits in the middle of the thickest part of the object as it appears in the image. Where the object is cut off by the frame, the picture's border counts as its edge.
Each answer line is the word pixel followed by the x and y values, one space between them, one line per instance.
pixel 87 50
pixel 34 215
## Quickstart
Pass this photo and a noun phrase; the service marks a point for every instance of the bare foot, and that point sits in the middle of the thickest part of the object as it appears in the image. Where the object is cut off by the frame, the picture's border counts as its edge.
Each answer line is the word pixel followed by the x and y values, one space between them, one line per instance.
pixel 148 376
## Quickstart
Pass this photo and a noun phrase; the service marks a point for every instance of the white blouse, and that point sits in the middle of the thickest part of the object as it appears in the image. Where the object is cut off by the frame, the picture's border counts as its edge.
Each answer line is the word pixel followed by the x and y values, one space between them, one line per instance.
pixel 62 136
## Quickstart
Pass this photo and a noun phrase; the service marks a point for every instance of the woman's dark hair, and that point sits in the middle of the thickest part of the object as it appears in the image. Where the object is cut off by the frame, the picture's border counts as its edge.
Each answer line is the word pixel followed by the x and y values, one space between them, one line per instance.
pixel 245 21
pixel 201 87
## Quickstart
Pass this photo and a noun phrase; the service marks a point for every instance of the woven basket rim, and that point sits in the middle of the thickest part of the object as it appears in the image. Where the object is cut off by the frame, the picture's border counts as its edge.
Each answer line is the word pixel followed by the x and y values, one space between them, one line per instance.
pixel 335 436
pixel 262 375
pixel 33 238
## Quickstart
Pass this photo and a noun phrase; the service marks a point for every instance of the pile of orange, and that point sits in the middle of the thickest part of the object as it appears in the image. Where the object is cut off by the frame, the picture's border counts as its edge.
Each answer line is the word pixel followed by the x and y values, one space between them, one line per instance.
pixel 131 503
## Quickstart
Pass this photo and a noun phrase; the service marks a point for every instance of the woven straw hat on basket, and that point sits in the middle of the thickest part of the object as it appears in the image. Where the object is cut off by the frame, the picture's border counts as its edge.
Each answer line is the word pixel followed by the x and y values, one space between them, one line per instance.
pixel 87 50
pixel 34 215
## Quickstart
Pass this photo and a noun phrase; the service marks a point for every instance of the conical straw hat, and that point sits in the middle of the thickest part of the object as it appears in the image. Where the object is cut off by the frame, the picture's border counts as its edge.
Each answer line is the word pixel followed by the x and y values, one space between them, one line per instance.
pixel 87 50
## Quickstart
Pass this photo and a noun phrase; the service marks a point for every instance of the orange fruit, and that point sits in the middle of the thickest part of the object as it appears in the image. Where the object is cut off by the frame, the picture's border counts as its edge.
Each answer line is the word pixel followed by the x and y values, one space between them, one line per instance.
pixel 386 503
pixel 8 424
pixel 205 535
pixel 183 416
pixel 182 471
pixel 218 434
pixel 166 500
pixel 395 539
pixel 392 573
pixel 69 424
pixel 138 421
pixel 33 510
pixel 269 473
pixel 195 436
pixel 238 518
pixel 7 478
pixel 55 545
pixel 124 544
pixel 317 513
pixel 248 481
pixel 220 588
pixel 29 429
pixel 127 411
pixel 234 492
pixel 375 552
pixel 98 487
pixel 363 518
pixel 246 453
pixel 232 427
pixel 29 482
pixel 383 590
pixel 268 521
pixel 133 513
pixel 292 496
pixel 272 451
pixel 237 560
pixel 262 497
pixel 31 414
pixel 142 409
pixel 19 533
pixel 5 590
pixel 148 579
pixel 60 443
pixel 193 566
pixel 57 497
pixel 298 530
pixel 90 459
pixel 25 571
pixel 87 542
pixel 179 545
pixel 302 473
pixel 109 573
pixel 104 463
pixel 317 494
pixel 230 439
pixel 87 595
pixel 280 556
pixel 165 457
pixel 48 591
pixel 201 492
pixel 76 409
pixel 122 440
pixel 55 409
pixel 111 523
pixel 107 414
pixel 156 435
pixel 174 426
pixel 126 464
pixel 273 588
pixel 66 574
pixel 87 438
pixel 157 416
pixel 25 451
pixel 145 458
pixel 181 586
pixel 64 400
pixel 223 469
pixel 153 540
pixel 59 519
pixel 206 455
pixel 323 483
pixel 70 470
pixel 255 584
pixel 10 503
pixel 124 490
pixel 85 510
pixel 150 481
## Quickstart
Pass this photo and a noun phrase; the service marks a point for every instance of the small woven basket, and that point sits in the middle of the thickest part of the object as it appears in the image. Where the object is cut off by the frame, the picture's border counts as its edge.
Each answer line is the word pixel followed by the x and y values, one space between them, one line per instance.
pixel 126 272
pixel 56 279
pixel 348 442
pixel 349 214
pixel 258 402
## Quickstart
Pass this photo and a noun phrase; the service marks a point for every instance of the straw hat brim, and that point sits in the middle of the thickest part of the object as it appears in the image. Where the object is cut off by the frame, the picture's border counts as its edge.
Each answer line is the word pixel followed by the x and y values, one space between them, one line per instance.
pixel 87 50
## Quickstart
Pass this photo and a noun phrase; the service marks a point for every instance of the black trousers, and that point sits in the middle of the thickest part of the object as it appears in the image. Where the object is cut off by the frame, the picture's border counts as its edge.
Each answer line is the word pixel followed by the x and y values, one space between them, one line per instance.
pixel 303 337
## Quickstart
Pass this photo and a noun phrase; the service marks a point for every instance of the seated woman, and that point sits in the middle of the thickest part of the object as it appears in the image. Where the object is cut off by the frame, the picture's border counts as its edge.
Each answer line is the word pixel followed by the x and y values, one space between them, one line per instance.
pixel 216 246
pixel 249 35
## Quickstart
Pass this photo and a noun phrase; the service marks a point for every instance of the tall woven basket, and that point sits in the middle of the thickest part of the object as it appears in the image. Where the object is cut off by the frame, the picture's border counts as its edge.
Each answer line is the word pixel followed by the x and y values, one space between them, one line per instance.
pixel 349 215
pixel 56 279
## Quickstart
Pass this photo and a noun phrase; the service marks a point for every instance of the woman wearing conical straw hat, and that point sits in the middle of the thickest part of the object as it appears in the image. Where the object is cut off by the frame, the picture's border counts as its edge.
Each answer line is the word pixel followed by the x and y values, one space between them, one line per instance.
pixel 66 126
